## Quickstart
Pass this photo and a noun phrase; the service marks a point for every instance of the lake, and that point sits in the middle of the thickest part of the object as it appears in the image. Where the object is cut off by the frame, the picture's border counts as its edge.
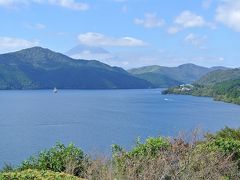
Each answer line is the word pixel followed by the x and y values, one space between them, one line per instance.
pixel 95 119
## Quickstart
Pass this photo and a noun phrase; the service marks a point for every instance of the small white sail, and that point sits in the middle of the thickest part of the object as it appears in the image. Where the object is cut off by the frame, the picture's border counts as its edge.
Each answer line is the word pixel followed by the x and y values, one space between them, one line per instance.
pixel 55 90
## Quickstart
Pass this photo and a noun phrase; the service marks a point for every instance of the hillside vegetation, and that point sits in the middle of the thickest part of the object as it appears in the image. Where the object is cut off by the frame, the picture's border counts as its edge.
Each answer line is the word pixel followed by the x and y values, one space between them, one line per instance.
pixel 161 76
pixel 39 68
pixel 222 85
pixel 216 156
pixel 36 175
pixel 219 76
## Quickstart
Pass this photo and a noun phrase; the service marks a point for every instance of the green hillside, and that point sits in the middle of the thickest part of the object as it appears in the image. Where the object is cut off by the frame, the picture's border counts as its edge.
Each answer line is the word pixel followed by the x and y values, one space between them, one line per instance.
pixel 159 80
pixel 227 91
pixel 39 68
pixel 162 76
pixel 219 76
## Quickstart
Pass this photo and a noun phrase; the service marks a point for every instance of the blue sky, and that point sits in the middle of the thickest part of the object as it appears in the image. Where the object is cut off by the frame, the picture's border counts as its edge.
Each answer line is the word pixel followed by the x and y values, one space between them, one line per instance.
pixel 134 32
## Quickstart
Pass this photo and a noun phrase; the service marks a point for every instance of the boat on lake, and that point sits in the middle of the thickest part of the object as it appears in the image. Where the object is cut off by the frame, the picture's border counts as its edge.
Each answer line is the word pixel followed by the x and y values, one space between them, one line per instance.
pixel 55 90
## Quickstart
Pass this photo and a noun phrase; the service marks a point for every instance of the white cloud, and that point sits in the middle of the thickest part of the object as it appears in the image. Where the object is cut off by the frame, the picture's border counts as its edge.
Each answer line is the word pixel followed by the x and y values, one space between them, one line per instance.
pixel 8 44
pixel 60 33
pixel 228 13
pixel 150 20
pixel 188 19
pixel 97 39
pixel 196 40
pixel 37 26
pixel 13 3
pixel 221 58
pixel 70 4
pixel 173 30
pixel 88 55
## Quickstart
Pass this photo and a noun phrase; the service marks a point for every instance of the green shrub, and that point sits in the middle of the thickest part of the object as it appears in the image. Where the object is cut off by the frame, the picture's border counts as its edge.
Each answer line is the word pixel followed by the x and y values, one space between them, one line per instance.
pixel 139 155
pixel 215 157
pixel 150 148
pixel 59 158
pixel 161 158
pixel 226 141
pixel 228 146
pixel 227 132
pixel 36 175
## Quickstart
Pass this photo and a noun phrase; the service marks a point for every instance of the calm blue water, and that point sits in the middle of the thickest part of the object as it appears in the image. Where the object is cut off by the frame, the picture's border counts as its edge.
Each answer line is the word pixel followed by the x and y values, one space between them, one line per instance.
pixel 34 120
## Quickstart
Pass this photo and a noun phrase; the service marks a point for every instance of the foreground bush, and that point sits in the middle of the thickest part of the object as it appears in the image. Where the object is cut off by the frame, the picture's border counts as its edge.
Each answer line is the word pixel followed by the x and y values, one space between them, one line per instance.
pixel 36 175
pixel 226 141
pixel 175 159
pixel 226 133
pixel 60 158
pixel 216 156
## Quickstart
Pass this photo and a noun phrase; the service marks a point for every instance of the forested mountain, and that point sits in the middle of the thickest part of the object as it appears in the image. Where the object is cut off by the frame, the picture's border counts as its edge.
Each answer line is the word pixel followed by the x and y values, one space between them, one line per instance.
pixel 219 76
pixel 39 68
pixel 162 76
pixel 223 85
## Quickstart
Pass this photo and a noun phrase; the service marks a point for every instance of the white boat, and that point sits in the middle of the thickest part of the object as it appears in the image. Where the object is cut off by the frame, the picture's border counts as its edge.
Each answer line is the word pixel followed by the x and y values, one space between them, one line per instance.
pixel 55 90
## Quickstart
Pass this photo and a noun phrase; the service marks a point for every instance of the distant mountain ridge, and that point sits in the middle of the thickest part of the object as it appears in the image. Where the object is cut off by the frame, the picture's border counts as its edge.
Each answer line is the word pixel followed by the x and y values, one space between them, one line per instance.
pixel 219 76
pixel 39 68
pixel 222 85
pixel 162 76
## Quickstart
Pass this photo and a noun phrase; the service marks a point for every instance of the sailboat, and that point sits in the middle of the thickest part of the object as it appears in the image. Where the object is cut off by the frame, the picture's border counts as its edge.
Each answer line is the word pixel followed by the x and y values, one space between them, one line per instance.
pixel 55 90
